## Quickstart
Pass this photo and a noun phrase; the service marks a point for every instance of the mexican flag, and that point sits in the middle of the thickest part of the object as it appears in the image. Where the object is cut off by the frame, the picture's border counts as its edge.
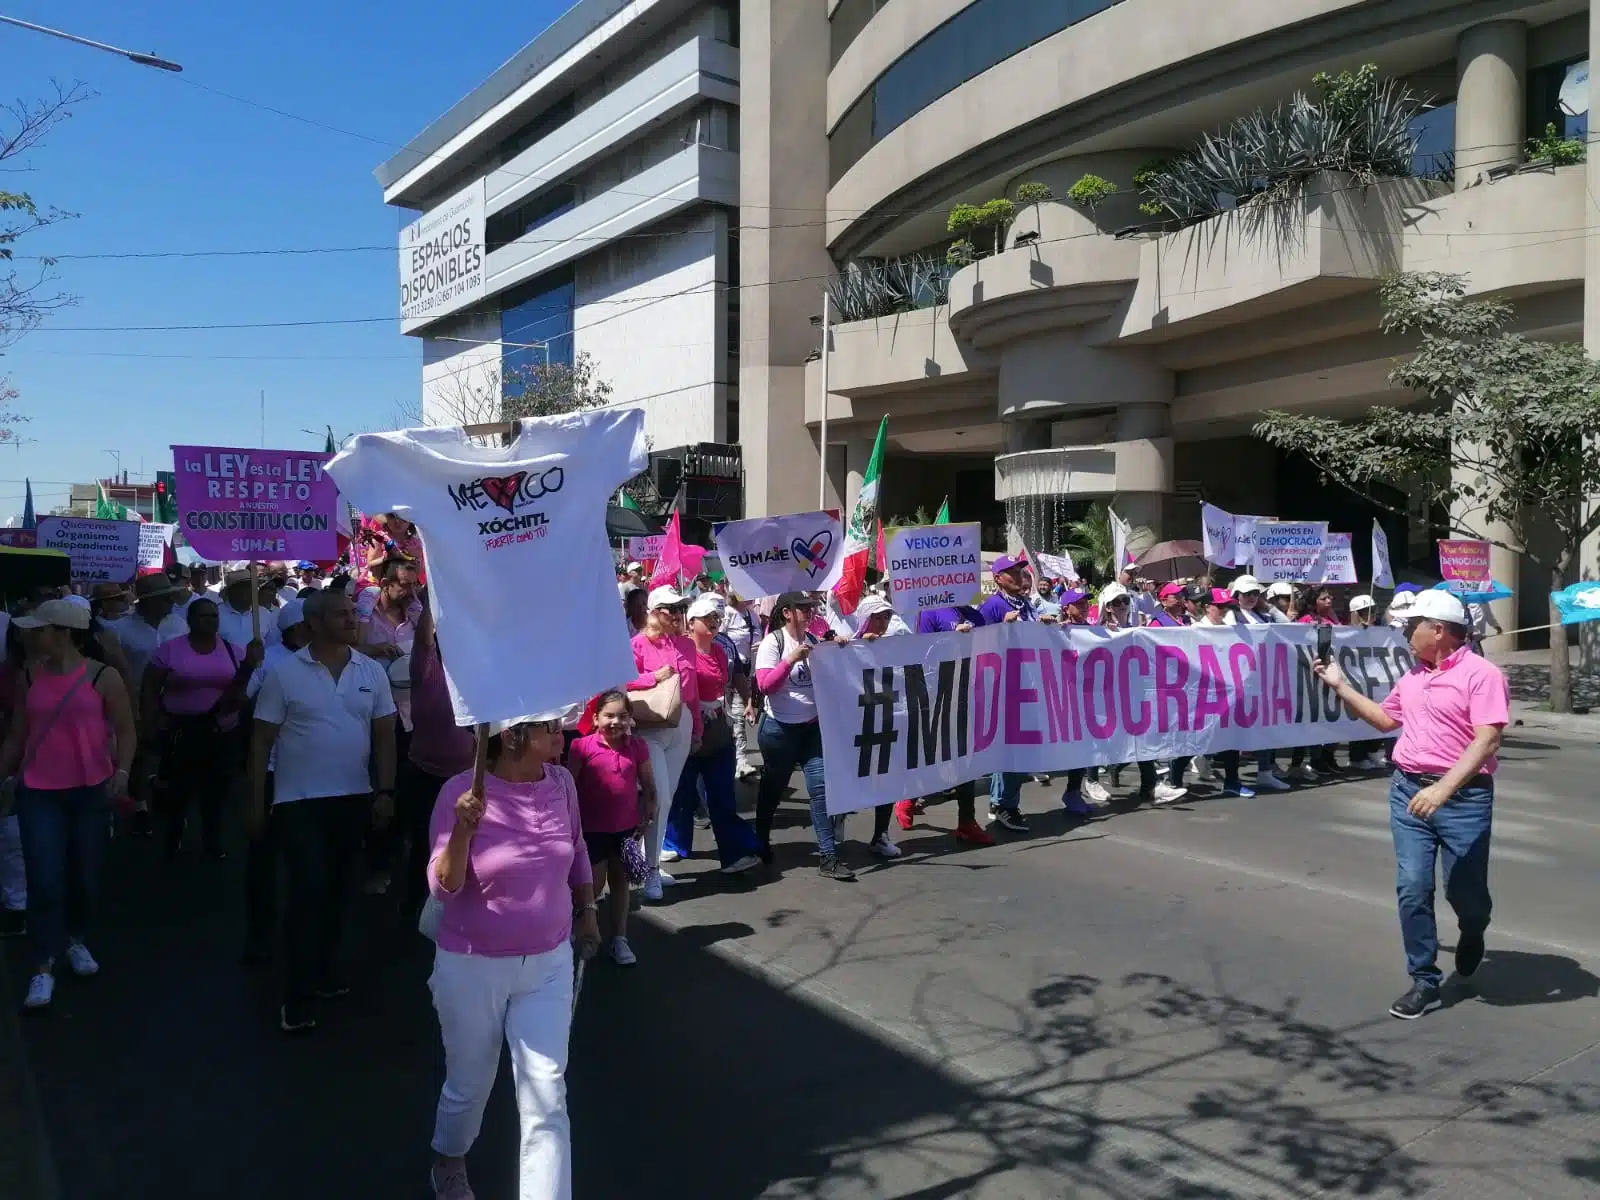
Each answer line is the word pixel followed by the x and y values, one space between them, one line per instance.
pixel 858 532
pixel 944 513
pixel 107 509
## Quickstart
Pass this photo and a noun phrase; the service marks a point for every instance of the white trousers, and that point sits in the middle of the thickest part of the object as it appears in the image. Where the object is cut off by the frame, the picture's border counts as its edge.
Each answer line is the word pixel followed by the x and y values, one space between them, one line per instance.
pixel 669 751
pixel 13 877
pixel 527 1001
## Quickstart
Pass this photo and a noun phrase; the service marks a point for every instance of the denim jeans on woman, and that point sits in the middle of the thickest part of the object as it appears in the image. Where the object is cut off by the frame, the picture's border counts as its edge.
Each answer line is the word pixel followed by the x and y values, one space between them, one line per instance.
pixel 734 837
pixel 1459 833
pixel 783 748
pixel 63 838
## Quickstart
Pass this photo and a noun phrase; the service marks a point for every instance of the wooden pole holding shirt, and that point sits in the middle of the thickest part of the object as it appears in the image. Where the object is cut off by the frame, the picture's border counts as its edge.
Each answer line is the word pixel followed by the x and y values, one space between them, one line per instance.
pixel 480 751
pixel 255 606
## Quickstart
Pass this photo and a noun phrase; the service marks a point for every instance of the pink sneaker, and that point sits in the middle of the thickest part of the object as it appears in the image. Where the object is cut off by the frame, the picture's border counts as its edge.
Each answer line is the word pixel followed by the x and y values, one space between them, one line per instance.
pixel 449 1180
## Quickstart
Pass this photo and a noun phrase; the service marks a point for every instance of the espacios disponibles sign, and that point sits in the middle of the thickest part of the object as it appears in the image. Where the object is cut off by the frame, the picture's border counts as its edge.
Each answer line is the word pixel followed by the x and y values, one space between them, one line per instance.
pixel 442 259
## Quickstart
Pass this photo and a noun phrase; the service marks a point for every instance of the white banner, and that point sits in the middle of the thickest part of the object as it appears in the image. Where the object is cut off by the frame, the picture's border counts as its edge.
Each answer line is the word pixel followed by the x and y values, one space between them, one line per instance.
pixel 1337 563
pixel 767 556
pixel 441 259
pixel 1382 572
pixel 153 543
pixel 1219 535
pixel 1287 551
pixel 1244 539
pixel 933 567
pixel 1057 566
pixel 101 551
pixel 910 716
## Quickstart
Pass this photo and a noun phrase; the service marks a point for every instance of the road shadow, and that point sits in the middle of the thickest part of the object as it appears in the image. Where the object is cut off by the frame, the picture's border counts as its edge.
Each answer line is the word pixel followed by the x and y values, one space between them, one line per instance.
pixel 1516 978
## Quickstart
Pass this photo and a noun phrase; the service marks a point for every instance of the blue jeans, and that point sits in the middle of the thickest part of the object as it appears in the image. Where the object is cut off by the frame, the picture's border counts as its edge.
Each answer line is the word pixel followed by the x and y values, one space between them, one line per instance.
pixel 783 748
pixel 1005 789
pixel 63 838
pixel 735 838
pixel 1459 832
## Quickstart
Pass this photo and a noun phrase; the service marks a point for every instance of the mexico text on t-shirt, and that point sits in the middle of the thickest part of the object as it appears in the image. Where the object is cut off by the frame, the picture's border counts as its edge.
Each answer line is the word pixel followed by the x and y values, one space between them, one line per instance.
pixel 520 573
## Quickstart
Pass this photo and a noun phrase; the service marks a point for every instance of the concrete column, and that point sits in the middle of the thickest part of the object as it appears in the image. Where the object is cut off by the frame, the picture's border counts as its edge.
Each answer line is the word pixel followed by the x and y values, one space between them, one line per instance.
pixel 857 454
pixel 1142 510
pixel 1491 98
pixel 1469 521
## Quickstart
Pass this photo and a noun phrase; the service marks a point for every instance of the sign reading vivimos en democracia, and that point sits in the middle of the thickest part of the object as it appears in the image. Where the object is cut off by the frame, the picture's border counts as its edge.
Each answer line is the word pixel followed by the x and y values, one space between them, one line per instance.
pixel 442 258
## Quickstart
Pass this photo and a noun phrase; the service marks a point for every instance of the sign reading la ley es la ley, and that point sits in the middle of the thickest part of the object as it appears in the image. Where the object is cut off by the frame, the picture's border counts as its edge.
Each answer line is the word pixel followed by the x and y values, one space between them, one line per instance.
pixel 254 504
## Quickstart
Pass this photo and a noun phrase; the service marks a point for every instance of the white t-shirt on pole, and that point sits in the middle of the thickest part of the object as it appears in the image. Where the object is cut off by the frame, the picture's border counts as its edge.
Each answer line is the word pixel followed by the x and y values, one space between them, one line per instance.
pixel 520 573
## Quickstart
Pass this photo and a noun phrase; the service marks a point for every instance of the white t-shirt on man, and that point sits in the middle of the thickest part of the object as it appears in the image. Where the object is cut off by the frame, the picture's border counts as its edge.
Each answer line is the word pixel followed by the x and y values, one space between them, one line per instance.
pixel 520 573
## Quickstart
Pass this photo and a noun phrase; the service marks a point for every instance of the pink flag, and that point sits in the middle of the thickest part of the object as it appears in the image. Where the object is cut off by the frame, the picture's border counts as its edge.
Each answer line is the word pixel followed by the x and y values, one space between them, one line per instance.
pixel 678 562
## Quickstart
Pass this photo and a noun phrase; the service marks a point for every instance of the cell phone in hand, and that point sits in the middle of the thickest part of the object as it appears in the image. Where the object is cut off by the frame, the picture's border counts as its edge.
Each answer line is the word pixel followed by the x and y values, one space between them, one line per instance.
pixel 1324 644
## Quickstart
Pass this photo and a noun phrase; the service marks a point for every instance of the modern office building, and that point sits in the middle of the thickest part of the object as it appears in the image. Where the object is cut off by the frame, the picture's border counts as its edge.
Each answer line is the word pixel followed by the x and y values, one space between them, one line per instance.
pixel 582 202
pixel 1101 353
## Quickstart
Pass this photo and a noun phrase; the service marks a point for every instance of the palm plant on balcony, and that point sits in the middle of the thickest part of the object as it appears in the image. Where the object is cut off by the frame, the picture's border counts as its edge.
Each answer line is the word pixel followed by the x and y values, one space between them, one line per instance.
pixel 868 288
pixel 1355 123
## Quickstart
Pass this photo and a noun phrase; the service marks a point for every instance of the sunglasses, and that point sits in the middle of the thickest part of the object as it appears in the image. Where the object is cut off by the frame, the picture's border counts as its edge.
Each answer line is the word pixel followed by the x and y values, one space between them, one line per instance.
pixel 1120 600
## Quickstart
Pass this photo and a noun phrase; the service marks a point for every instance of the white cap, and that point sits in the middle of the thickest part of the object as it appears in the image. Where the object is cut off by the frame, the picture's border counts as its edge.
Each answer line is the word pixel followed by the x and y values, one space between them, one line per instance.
pixel 1280 589
pixel 871 605
pixel 1437 605
pixel 291 613
pixel 1112 591
pixel 1243 584
pixel 706 605
pixel 1402 602
pixel 78 601
pixel 665 596
pixel 58 613
pixel 1362 603
pixel 635 566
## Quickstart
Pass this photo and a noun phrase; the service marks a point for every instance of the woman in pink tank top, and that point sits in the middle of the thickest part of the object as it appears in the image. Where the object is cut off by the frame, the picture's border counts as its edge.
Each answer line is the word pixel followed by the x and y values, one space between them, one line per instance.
pixel 57 759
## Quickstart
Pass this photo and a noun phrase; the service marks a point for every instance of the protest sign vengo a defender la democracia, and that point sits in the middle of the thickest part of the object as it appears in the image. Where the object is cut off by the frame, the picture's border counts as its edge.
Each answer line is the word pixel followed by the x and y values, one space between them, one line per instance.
pixel 910 716
pixel 244 504
pixel 933 567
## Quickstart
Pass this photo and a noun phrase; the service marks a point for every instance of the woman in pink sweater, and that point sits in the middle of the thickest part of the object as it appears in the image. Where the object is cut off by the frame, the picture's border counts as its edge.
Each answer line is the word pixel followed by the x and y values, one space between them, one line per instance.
pixel 509 868
pixel 659 652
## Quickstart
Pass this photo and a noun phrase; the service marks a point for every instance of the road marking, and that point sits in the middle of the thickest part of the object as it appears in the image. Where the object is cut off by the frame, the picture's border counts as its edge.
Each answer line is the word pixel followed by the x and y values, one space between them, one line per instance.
pixel 1500 849
pixel 1510 805
pixel 1327 889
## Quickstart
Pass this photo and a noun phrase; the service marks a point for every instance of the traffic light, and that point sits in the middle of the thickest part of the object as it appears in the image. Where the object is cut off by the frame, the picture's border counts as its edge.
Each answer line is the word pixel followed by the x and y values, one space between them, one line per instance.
pixel 166 505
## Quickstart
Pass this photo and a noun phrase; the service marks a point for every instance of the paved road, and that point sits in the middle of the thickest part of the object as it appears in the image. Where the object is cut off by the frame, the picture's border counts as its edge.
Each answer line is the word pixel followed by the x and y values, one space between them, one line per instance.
pixel 1179 1003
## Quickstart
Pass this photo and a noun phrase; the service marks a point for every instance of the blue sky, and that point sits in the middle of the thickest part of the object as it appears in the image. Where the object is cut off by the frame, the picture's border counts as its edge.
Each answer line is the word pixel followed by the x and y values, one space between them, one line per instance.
pixel 154 163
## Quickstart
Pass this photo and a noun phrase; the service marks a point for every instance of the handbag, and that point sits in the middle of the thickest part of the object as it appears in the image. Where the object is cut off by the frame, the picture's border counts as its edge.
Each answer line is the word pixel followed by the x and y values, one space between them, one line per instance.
pixel 8 787
pixel 661 705
pixel 716 733
pixel 432 917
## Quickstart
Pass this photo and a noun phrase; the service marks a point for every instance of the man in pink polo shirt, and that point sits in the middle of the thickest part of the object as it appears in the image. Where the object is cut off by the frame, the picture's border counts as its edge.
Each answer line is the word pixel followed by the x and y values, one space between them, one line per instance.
pixel 1449 708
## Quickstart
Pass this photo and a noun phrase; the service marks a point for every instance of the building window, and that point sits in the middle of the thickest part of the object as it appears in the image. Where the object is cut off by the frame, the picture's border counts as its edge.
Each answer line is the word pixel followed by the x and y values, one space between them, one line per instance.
pixel 536 130
pixel 846 24
pixel 519 220
pixel 1559 95
pixel 980 36
pixel 536 322
pixel 1435 131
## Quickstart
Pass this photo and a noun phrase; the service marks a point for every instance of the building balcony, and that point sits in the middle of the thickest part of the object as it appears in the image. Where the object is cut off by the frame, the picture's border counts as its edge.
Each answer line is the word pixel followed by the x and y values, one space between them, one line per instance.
pixel 1112 468
pixel 701 68
pixel 1336 240
pixel 904 350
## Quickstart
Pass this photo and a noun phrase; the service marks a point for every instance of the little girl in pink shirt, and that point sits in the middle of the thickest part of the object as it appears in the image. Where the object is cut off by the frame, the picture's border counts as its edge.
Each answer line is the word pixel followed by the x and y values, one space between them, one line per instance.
pixel 616 798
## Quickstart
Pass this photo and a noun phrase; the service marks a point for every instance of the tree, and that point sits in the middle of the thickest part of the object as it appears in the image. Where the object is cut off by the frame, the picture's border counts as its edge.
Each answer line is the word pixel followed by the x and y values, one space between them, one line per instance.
pixel 9 417
pixel 469 397
pixel 1092 543
pixel 1504 436
pixel 27 297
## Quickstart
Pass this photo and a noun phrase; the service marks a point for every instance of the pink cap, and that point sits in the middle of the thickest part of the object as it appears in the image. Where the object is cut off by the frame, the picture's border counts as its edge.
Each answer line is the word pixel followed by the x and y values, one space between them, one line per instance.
pixel 1170 589
pixel 1222 596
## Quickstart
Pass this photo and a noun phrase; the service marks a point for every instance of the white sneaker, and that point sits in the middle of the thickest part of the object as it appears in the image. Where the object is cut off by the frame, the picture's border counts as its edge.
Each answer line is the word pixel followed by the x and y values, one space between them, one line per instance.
pixel 652 886
pixel 1165 793
pixel 41 990
pixel 622 953
pixel 667 880
pixel 670 856
pixel 82 961
pixel 745 771
pixel 883 847
pixel 748 863
pixel 1270 781
pixel 1096 792
pixel 1303 773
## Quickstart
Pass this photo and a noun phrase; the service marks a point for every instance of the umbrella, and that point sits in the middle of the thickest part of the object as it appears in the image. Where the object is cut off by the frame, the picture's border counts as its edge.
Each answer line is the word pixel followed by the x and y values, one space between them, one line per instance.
pixel 1166 561
pixel 626 523
pixel 1475 593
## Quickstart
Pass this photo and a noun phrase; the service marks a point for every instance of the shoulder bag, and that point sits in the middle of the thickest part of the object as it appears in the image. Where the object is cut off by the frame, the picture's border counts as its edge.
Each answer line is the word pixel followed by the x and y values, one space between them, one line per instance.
pixel 658 706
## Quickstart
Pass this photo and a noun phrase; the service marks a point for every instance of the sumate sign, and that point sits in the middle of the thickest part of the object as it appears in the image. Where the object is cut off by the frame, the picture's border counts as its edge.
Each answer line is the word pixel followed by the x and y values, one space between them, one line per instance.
pixel 256 504
pixel 100 551
pixel 933 567
pixel 442 259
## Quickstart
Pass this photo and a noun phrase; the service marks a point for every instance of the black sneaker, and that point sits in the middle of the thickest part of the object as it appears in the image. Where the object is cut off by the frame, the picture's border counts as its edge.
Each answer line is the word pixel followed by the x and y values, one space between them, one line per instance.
pixel 1414 1003
pixel 833 868
pixel 13 922
pixel 1469 953
pixel 1009 819
pixel 295 1017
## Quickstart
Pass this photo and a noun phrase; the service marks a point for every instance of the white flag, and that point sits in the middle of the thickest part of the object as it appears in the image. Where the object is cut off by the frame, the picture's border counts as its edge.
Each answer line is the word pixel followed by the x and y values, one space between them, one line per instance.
pixel 1119 542
pixel 1056 566
pixel 1218 532
pixel 1382 573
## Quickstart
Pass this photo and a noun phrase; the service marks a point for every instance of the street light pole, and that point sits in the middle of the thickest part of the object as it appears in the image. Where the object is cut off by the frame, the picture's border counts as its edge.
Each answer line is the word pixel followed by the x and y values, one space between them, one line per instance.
pixel 133 56
pixel 117 457
pixel 822 472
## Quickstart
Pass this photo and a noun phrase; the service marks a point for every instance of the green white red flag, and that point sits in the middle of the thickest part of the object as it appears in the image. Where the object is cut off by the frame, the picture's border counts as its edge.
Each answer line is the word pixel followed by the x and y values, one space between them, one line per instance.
pixel 858 531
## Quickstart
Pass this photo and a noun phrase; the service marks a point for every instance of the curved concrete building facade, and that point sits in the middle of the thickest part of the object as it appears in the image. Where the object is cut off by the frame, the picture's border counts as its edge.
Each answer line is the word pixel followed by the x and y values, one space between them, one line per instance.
pixel 1095 353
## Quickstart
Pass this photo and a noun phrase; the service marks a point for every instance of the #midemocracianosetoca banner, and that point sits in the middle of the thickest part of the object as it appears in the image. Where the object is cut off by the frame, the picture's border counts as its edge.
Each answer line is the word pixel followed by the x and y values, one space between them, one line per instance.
pixel 912 715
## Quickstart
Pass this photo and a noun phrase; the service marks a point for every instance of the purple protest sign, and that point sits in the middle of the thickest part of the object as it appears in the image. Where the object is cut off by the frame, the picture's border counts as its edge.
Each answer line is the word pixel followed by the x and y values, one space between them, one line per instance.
pixel 256 504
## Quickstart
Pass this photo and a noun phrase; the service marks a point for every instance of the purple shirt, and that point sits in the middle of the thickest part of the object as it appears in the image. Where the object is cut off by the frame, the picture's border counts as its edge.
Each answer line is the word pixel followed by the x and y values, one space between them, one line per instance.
pixel 524 860
pixel 1165 618
pixel 995 608
pixel 945 620
pixel 1439 708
